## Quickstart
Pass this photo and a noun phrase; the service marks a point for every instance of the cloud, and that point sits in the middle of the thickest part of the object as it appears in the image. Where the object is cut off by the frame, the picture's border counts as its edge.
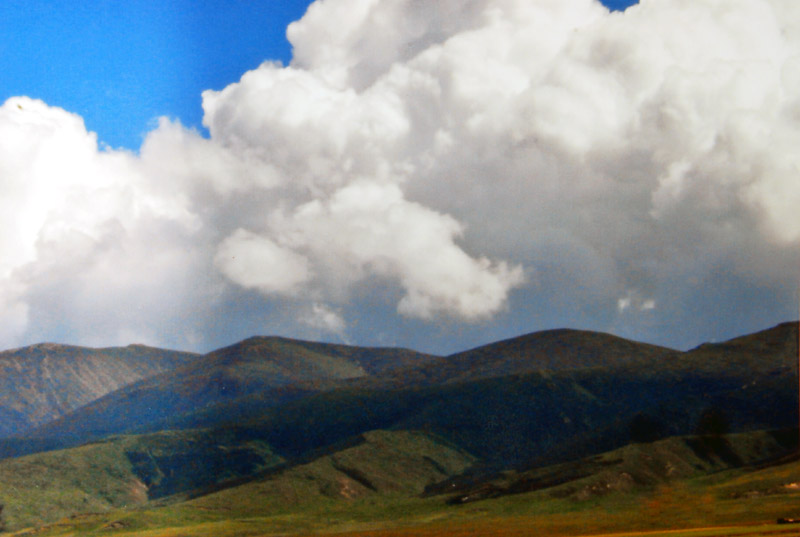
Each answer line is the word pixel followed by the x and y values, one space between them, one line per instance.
pixel 479 159
pixel 257 262
pixel 90 246
pixel 367 227
pixel 324 318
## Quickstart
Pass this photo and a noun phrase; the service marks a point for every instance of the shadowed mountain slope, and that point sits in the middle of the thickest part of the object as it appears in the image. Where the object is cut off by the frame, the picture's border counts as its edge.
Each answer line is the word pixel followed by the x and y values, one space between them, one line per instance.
pixel 597 393
pixel 561 415
pixel 259 365
pixel 772 352
pixel 636 465
pixel 550 350
pixel 43 382
pixel 374 463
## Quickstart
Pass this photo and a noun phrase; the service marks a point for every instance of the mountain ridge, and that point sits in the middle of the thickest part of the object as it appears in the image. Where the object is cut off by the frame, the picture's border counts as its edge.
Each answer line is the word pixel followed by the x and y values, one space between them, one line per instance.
pixel 256 365
pixel 41 382
pixel 238 382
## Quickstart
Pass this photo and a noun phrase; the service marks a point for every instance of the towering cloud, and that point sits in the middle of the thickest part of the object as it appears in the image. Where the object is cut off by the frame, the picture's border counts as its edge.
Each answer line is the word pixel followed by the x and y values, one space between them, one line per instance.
pixel 633 171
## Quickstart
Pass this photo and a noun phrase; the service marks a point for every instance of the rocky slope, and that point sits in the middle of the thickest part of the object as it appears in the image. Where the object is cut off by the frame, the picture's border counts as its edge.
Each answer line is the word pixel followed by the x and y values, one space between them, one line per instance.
pixel 43 382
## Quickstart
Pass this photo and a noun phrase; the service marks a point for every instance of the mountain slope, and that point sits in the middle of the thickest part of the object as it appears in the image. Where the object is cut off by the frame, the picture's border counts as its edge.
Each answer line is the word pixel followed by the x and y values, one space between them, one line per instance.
pixel 123 472
pixel 636 465
pixel 259 365
pixel 375 463
pixel 371 488
pixel 552 350
pixel 129 472
pixel 768 352
pixel 608 392
pixel 246 379
pixel 43 382
pixel 559 415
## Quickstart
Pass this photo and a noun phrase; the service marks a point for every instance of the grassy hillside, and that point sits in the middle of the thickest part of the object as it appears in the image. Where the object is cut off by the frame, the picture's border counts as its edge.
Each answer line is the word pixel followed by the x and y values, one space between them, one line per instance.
pixel 637 465
pixel 372 488
pixel 374 469
pixel 123 472
pixel 43 382
pixel 375 463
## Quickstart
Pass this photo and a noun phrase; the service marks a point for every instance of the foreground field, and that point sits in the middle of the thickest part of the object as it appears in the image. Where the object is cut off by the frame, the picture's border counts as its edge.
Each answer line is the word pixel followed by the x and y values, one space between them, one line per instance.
pixel 505 531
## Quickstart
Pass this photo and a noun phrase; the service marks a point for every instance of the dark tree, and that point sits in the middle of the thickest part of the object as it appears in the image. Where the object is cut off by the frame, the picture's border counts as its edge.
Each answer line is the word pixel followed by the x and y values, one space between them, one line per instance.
pixel 644 428
pixel 712 422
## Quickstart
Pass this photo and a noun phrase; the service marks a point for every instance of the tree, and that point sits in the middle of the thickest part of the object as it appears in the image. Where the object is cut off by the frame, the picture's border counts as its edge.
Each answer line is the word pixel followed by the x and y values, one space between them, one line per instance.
pixel 712 422
pixel 644 428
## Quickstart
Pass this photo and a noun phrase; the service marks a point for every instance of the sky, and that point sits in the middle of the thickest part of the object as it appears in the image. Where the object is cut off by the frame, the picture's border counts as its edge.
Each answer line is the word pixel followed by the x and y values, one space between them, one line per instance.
pixel 433 175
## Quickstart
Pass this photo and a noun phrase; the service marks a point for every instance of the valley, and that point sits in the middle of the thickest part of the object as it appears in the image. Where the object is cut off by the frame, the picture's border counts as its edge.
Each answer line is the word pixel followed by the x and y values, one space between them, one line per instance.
pixel 560 432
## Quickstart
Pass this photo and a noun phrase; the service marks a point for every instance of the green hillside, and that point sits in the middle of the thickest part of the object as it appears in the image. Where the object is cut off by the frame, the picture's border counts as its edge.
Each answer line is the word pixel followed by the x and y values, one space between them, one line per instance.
pixel 376 463
pixel 729 485
pixel 123 472
pixel 372 471
pixel 634 466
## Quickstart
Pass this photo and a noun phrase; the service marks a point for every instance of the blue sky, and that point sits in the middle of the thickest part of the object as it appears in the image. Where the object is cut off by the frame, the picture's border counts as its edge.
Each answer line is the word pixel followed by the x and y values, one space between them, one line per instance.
pixel 121 65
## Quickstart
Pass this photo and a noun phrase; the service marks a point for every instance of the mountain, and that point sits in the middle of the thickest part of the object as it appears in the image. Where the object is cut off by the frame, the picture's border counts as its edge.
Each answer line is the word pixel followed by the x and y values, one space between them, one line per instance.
pixel 276 369
pixel 43 382
pixel 548 416
pixel 246 379
pixel 548 396
pixel 551 350
pixel 771 352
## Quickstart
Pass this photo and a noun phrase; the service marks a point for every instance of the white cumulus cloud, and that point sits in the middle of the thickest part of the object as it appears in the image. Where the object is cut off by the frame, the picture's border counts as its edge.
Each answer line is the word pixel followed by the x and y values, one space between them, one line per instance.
pixel 254 261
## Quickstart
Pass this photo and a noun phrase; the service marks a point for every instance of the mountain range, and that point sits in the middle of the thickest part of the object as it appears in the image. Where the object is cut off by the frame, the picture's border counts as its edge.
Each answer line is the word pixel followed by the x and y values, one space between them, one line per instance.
pixel 301 424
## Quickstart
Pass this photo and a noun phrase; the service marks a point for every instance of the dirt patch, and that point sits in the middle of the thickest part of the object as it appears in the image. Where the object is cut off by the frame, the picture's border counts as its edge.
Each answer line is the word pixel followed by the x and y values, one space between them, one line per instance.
pixel 116 525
